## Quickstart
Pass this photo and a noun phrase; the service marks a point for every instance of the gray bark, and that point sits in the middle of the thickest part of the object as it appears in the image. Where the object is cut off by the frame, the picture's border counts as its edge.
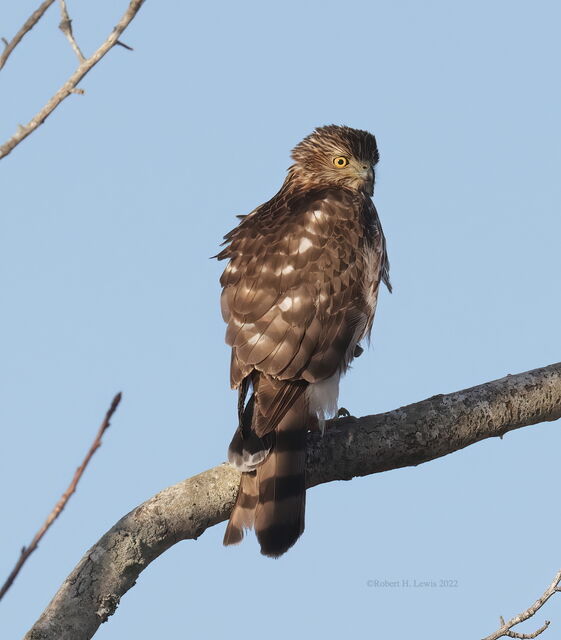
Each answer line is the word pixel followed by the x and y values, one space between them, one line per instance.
pixel 351 447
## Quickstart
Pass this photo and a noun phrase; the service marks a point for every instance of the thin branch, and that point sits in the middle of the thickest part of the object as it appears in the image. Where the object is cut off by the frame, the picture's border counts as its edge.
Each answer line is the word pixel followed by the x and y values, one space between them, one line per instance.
pixel 350 447
pixel 505 630
pixel 125 46
pixel 66 27
pixel 525 636
pixel 27 551
pixel 27 26
pixel 69 86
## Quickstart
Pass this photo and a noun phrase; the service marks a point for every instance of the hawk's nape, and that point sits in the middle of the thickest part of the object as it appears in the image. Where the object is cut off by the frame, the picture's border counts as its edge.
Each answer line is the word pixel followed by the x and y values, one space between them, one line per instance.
pixel 299 293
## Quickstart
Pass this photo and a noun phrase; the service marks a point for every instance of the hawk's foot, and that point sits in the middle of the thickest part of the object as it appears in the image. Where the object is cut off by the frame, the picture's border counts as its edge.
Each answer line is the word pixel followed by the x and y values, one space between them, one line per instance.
pixel 343 413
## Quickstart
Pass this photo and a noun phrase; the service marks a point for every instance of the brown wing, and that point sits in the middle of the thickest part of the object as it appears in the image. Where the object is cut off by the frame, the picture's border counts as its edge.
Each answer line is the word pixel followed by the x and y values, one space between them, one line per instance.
pixel 295 292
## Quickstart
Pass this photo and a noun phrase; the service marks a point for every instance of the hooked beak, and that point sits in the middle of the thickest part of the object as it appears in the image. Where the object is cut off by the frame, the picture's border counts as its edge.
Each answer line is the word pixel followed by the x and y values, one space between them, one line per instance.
pixel 367 175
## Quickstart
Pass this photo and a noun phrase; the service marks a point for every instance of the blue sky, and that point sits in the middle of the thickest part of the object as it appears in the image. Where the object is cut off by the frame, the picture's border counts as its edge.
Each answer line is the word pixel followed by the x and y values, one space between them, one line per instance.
pixel 109 213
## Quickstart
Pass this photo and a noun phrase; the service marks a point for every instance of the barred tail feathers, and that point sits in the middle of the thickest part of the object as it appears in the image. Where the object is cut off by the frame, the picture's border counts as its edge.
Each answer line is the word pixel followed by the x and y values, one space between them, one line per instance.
pixel 269 447
pixel 243 513
pixel 280 511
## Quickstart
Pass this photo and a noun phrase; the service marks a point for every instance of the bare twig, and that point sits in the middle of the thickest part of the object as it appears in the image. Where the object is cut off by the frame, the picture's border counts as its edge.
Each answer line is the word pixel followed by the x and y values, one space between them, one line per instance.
pixel 68 87
pixel 125 46
pixel 350 447
pixel 27 26
pixel 505 630
pixel 27 551
pixel 66 27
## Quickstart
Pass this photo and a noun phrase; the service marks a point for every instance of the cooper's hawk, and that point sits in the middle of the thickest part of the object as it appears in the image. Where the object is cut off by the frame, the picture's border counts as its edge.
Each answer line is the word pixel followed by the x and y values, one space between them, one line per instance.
pixel 299 293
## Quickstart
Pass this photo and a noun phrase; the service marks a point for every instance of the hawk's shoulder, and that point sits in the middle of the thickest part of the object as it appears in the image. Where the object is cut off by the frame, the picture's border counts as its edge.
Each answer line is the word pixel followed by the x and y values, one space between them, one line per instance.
pixel 291 211
pixel 377 240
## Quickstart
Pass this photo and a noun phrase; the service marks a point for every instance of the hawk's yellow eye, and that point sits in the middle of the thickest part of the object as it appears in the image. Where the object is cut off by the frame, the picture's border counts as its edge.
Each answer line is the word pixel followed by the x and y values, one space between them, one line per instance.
pixel 340 162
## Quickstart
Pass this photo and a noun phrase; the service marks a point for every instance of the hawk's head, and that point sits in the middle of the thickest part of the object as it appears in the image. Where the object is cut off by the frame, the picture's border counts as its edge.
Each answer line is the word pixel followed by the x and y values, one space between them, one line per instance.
pixel 338 156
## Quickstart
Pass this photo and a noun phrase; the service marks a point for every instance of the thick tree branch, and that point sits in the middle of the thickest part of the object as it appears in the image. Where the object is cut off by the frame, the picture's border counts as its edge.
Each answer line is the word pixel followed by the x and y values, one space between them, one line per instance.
pixel 59 506
pixel 69 87
pixel 26 27
pixel 351 447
